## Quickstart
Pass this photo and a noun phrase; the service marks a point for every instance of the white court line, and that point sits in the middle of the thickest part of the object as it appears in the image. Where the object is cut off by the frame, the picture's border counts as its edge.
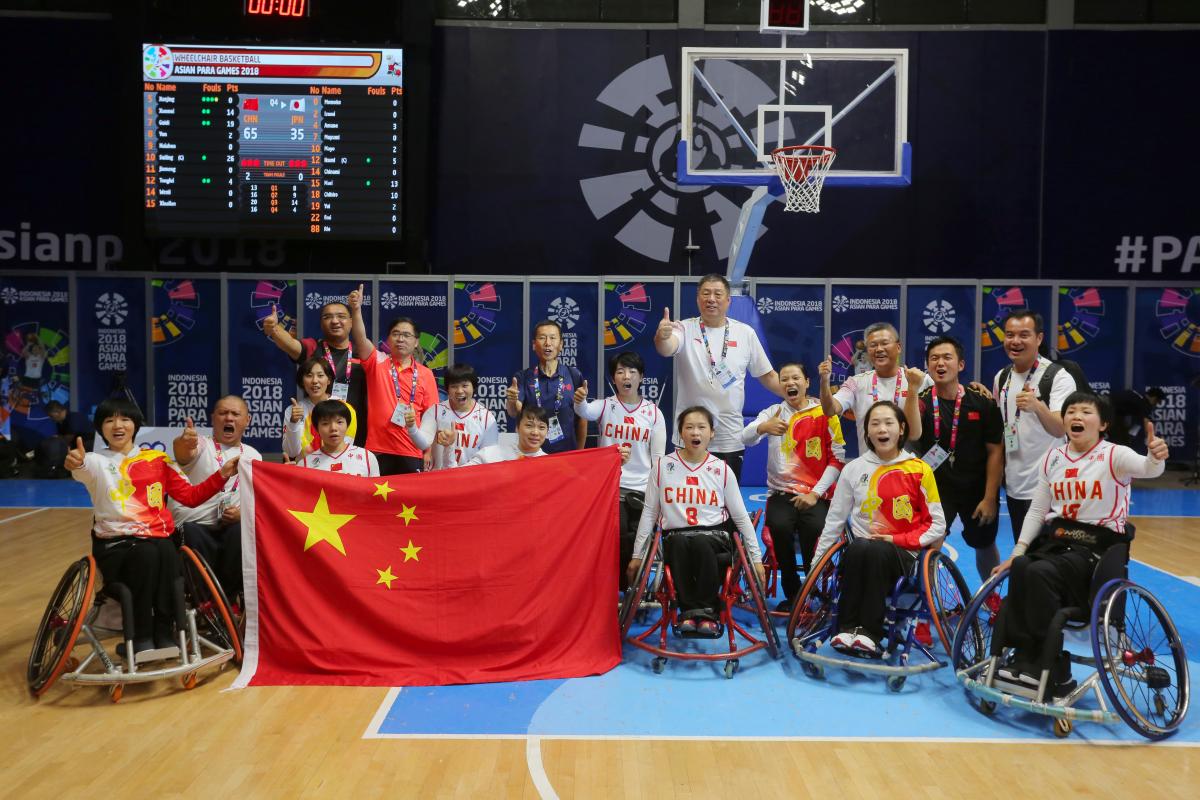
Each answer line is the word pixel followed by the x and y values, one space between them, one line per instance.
pixel 372 731
pixel 20 516
pixel 533 758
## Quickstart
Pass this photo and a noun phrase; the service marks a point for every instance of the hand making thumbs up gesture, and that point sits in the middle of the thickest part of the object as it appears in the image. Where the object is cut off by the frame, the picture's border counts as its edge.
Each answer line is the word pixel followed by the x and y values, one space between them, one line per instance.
pixel 188 442
pixel 76 455
pixel 297 411
pixel 665 327
pixel 1155 446
pixel 271 322
pixel 581 393
pixel 355 299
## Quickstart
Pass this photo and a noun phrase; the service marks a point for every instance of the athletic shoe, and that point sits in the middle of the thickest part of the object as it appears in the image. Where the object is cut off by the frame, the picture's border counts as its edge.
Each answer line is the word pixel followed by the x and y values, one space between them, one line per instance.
pixel 708 628
pixel 1019 672
pixel 922 634
pixel 687 627
pixel 843 642
pixel 140 646
pixel 864 644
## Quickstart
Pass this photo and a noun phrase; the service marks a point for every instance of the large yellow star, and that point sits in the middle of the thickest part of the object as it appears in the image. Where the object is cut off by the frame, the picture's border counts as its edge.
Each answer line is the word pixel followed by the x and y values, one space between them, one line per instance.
pixel 322 525
pixel 386 576
pixel 410 552
pixel 408 514
pixel 383 490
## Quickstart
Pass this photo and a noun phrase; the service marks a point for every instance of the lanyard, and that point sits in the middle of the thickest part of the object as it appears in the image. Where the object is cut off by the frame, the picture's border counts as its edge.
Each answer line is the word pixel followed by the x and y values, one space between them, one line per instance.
pixel 1007 386
pixel 332 367
pixel 724 348
pixel 537 390
pixel 937 418
pixel 875 387
pixel 412 392
pixel 221 462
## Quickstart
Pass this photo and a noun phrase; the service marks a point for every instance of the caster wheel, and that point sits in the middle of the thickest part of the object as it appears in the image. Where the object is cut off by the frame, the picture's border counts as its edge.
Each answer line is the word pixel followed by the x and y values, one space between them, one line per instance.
pixel 812 670
pixel 987 707
pixel 1062 728
pixel 116 692
pixel 895 682
pixel 731 668
pixel 73 664
pixel 657 665
pixel 188 681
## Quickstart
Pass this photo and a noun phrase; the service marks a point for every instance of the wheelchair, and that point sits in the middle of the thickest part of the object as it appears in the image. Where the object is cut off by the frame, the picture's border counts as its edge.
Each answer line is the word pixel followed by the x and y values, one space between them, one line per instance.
pixel 206 631
pixel 931 597
pixel 740 585
pixel 1140 668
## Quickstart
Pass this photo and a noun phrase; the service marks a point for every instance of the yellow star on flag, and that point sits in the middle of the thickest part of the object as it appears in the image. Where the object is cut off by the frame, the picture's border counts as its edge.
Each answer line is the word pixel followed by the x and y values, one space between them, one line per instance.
pixel 408 514
pixel 386 576
pixel 410 552
pixel 383 490
pixel 322 525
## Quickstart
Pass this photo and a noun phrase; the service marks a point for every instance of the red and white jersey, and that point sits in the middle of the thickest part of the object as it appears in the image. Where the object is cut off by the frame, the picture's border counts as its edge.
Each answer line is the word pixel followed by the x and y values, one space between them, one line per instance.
pixel 473 430
pixel 1091 487
pixel 353 460
pixel 642 427
pixel 683 495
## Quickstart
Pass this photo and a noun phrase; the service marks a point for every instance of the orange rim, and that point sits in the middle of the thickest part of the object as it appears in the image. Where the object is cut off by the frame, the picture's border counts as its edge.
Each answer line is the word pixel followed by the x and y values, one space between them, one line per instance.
pixel 814 577
pixel 929 576
pixel 83 610
pixel 226 618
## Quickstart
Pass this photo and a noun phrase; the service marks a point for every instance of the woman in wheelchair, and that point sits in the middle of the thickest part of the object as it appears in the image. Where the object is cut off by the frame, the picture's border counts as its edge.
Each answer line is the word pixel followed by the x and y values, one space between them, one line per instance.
pixel 695 495
pixel 132 525
pixel 888 500
pixel 1079 510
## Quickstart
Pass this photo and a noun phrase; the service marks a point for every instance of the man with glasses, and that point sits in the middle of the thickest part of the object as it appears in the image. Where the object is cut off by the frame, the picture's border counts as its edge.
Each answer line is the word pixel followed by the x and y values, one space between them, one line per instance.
pixel 333 346
pixel 1030 393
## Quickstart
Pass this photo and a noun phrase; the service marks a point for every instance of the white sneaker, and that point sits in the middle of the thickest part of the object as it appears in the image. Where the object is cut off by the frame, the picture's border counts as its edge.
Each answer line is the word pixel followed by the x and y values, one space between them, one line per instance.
pixel 864 644
pixel 843 642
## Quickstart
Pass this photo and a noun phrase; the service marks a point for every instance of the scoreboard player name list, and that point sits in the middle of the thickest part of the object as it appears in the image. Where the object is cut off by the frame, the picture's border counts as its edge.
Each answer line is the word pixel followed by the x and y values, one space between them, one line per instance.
pixel 275 159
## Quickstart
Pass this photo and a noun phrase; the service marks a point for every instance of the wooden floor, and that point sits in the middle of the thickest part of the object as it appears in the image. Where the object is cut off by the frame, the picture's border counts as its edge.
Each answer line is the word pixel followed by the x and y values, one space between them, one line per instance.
pixel 306 742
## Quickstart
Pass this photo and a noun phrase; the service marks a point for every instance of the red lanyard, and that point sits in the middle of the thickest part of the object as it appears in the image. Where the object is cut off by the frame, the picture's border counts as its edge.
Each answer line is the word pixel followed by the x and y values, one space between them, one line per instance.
pixel 412 392
pixel 875 387
pixel 221 462
pixel 937 418
pixel 724 347
pixel 332 367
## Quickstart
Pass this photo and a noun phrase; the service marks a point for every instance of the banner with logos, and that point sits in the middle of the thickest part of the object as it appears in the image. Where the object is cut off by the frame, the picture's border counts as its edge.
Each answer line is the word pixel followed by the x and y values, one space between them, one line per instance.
pixel 491 334
pixel 259 372
pixel 1167 343
pixel 318 292
pixel 854 307
pixel 793 322
pixel 425 303
pixel 110 320
pixel 36 366
pixel 998 303
pixel 632 310
pixel 574 307
pixel 185 331
pixel 1092 322
pixel 935 311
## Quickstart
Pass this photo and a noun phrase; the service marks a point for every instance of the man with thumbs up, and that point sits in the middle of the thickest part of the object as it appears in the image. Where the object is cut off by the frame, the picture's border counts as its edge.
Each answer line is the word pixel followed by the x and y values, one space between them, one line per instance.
pixel 552 386
pixel 1030 393
pixel 712 356
pixel 349 383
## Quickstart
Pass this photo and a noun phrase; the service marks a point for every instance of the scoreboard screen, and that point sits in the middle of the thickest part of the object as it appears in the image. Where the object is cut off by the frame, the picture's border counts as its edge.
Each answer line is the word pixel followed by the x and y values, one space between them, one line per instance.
pixel 281 142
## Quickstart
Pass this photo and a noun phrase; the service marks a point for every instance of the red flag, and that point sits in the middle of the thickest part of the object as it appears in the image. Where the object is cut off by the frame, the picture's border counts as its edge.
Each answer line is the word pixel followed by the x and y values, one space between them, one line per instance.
pixel 692 480
pixel 491 573
pixel 630 421
pixel 250 104
pixel 1073 472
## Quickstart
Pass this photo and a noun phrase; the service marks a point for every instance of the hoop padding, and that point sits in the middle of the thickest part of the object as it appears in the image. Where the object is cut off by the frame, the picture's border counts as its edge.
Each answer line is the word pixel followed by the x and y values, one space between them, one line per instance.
pixel 802 170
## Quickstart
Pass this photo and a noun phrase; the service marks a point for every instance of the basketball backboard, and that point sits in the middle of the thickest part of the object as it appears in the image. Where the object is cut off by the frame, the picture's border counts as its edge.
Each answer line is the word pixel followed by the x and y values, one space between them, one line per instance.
pixel 739 104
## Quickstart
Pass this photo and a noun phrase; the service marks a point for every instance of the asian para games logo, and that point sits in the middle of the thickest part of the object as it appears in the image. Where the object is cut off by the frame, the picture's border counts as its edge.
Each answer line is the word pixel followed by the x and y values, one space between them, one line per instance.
pixel 841 303
pixel 765 305
pixel 312 300
pixel 389 300
pixel 8 295
pixel 939 316
pixel 111 309
pixel 564 311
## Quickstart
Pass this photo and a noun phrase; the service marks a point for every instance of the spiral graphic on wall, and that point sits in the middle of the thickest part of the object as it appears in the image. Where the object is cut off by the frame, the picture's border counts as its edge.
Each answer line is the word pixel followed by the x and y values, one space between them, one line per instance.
pixel 180 301
pixel 268 294
pixel 627 312
pixel 1175 323
pixel 482 302
pixel 1080 311
pixel 1004 301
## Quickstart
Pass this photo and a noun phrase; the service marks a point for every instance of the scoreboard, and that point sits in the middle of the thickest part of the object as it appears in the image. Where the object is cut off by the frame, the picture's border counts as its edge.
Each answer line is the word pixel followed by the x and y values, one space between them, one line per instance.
pixel 280 142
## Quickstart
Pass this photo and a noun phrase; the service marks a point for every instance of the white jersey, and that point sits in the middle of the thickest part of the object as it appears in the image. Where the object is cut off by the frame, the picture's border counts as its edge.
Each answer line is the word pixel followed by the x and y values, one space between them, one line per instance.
pixel 352 460
pixel 1021 466
pixel 641 427
pixel 1091 487
pixel 209 458
pixel 699 383
pixel 862 391
pixel 494 454
pixel 683 495
pixel 473 430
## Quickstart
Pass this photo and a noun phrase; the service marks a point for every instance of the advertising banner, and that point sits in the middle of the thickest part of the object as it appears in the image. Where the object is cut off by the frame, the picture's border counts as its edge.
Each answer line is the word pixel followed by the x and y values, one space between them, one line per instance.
pixel 36 366
pixel 935 311
pixel 998 303
pixel 491 335
pixel 855 306
pixel 1167 343
pixel 259 372
pixel 185 331
pixel 632 311
pixel 575 307
pixel 793 321
pixel 1092 331
pixel 425 303
pixel 110 320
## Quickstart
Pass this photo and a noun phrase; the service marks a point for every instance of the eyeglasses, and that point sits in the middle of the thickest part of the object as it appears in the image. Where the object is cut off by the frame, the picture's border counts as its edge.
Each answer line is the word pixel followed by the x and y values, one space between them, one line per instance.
pixel 404 335
pixel 342 317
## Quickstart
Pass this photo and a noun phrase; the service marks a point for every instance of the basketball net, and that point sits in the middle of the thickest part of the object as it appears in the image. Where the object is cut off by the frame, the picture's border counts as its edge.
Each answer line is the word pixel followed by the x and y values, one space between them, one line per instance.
pixel 802 170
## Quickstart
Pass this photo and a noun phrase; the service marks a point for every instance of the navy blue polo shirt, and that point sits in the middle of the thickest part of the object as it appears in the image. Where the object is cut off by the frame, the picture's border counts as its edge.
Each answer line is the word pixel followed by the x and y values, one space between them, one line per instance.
pixel 563 408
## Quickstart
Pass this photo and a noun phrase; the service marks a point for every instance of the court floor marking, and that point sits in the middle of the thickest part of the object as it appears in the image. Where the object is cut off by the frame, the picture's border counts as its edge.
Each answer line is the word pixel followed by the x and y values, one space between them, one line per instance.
pixel 22 516
pixel 537 771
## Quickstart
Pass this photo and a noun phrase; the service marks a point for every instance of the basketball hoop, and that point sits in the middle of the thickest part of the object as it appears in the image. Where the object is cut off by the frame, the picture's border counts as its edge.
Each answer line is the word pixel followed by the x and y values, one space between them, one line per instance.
pixel 802 170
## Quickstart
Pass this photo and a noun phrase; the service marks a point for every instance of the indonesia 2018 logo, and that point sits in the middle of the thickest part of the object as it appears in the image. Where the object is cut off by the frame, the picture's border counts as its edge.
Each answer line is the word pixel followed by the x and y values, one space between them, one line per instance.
pixel 111 309
pixel 564 311
pixel 939 316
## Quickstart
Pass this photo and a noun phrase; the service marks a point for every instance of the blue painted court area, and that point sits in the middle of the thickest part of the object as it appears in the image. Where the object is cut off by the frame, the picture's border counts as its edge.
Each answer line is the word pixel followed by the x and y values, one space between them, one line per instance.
pixel 774 699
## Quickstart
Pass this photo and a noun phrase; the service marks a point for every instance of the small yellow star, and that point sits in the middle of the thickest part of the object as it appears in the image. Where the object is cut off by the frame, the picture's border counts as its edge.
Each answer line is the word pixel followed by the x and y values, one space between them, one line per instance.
pixel 386 576
pixel 410 552
pixel 383 490
pixel 322 525
pixel 408 514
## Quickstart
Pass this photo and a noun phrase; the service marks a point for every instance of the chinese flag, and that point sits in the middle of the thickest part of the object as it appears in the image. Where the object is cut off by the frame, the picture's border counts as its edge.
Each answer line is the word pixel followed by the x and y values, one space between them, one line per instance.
pixel 490 573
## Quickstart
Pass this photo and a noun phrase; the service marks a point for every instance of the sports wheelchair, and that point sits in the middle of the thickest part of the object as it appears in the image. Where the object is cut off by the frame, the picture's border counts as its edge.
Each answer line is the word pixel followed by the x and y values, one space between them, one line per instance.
pixel 1140 667
pixel 205 629
pixel 933 595
pixel 739 587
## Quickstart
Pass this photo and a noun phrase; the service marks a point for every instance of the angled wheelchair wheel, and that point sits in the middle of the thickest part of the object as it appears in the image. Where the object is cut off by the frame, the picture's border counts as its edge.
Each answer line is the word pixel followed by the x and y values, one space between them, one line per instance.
pixel 973 636
pixel 632 600
pixel 1143 666
pixel 203 592
pixel 758 598
pixel 815 603
pixel 946 595
pixel 60 625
